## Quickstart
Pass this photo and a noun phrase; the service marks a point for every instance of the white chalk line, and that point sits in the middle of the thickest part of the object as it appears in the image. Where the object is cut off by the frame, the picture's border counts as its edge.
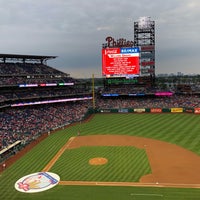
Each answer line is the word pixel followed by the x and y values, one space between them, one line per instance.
pixel 138 194
pixel 135 184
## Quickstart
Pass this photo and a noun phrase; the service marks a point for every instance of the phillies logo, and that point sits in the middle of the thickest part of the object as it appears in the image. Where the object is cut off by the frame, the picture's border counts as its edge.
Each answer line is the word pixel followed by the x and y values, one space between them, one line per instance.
pixel 37 182
pixel 121 42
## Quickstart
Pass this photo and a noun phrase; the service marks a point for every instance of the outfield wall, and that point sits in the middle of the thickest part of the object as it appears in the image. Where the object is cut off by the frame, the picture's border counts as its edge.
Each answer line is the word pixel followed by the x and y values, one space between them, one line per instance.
pixel 150 110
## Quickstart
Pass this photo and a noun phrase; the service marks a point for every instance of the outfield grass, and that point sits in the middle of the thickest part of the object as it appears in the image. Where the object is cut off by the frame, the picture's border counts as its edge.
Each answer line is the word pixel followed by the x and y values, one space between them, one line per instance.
pixel 181 129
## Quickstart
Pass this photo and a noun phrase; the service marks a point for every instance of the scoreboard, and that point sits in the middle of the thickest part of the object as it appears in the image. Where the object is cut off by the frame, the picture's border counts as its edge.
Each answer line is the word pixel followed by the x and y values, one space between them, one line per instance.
pixel 120 62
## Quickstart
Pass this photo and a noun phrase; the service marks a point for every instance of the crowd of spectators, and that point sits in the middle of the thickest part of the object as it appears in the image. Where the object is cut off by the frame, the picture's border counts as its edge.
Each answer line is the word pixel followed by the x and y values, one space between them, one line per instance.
pixel 26 123
pixel 124 89
pixel 150 102
pixel 17 80
pixel 42 92
pixel 27 68
pixel 30 73
pixel 16 74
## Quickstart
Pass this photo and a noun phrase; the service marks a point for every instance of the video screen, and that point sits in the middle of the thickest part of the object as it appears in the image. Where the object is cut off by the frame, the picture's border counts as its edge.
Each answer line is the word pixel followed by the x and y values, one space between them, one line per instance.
pixel 120 62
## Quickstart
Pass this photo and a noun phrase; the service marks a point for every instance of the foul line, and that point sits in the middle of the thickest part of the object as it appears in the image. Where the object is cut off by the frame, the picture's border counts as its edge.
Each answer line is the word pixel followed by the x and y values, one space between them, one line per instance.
pixel 168 185
pixel 55 158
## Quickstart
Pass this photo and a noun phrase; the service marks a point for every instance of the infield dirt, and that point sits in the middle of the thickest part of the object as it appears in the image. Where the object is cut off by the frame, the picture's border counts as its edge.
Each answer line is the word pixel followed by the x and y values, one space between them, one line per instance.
pixel 171 165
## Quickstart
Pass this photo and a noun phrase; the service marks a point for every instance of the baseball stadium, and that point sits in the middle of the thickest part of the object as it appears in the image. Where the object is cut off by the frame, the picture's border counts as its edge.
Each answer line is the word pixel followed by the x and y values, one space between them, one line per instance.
pixel 127 138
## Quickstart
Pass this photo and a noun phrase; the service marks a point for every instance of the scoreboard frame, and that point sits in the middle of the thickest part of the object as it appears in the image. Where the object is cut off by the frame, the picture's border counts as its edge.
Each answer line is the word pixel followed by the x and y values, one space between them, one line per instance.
pixel 121 62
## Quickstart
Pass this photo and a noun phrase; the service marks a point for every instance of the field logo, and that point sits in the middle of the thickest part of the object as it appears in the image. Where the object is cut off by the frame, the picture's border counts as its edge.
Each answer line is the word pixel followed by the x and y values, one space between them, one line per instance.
pixel 37 182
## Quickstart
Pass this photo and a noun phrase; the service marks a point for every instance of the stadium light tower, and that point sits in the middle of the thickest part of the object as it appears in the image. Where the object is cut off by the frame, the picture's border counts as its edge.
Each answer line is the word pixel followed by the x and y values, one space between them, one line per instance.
pixel 144 37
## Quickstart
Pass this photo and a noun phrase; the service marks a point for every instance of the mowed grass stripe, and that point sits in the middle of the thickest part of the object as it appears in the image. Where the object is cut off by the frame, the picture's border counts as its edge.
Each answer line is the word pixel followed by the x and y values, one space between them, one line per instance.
pixel 124 164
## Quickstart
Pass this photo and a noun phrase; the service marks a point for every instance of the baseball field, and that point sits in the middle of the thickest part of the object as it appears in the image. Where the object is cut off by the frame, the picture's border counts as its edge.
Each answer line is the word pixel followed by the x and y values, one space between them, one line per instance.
pixel 116 157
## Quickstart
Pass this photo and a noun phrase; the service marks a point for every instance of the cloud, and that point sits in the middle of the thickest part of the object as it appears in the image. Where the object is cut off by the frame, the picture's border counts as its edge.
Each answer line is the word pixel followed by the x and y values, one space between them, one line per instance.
pixel 74 30
pixel 104 28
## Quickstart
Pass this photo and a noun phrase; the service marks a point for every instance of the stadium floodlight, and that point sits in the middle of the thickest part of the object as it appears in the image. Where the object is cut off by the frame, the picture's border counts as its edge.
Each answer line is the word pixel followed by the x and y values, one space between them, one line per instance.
pixel 144 22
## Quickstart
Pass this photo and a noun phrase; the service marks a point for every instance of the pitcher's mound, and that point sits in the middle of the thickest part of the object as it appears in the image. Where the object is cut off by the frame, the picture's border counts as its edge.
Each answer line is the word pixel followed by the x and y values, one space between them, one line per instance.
pixel 98 161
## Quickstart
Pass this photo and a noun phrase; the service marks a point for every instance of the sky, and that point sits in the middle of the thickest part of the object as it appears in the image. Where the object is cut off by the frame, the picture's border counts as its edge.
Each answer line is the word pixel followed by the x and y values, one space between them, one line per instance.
pixel 74 31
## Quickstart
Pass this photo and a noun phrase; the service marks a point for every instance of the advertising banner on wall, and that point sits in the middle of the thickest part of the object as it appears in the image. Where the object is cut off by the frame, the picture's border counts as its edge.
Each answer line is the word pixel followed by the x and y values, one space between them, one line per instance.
pixel 156 110
pixel 139 110
pixel 176 110
pixel 197 110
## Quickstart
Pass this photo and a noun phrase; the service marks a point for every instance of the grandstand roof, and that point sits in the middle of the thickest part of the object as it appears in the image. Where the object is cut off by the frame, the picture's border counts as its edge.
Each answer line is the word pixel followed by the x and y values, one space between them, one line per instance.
pixel 24 58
